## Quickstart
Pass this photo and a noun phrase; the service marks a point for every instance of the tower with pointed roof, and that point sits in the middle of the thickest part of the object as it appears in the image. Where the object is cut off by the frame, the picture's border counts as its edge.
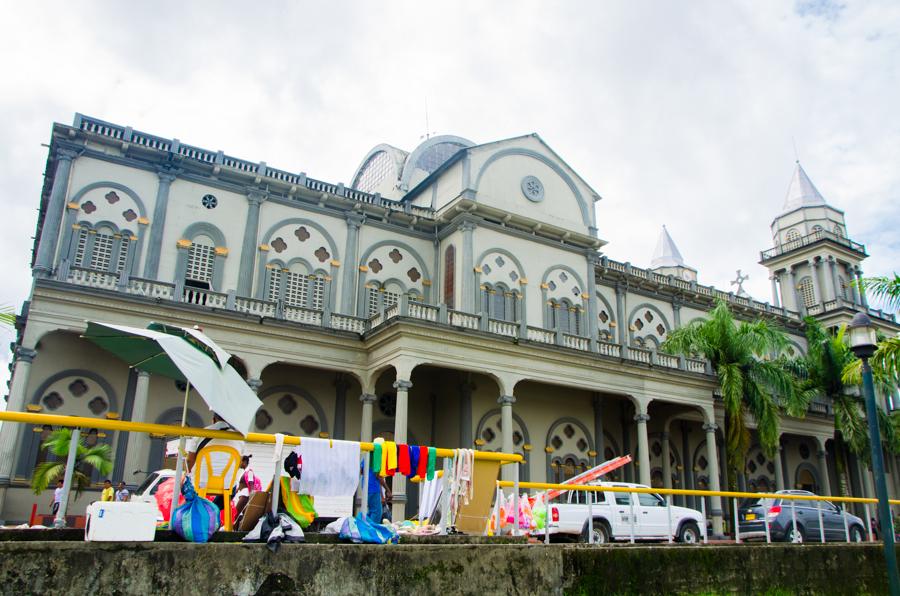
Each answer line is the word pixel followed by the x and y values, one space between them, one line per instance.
pixel 667 259
pixel 813 261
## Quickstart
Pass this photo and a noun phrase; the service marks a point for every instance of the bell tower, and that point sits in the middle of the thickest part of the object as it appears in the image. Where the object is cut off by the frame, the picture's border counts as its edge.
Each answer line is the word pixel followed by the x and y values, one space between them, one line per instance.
pixel 813 261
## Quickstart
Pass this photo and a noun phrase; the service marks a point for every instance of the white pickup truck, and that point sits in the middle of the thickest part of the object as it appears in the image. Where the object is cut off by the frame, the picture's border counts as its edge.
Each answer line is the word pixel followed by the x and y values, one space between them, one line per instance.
pixel 614 512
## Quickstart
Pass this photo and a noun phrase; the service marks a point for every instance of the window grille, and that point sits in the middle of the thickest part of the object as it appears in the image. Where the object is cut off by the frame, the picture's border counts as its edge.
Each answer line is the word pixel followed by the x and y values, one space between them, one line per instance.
pixel 792 236
pixel 806 291
pixel 296 289
pixel 372 301
pixel 449 275
pixel 201 260
pixel 80 248
pixel 318 292
pixel 102 252
pixel 274 284
pixel 122 260
pixel 390 299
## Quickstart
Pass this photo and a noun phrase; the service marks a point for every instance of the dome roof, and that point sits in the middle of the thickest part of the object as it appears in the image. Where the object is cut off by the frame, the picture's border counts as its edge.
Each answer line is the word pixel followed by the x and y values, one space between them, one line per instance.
pixel 429 156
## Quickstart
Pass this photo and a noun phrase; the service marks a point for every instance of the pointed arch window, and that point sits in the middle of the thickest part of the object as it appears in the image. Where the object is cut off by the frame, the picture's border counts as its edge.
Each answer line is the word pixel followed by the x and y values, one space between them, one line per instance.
pixel 449 276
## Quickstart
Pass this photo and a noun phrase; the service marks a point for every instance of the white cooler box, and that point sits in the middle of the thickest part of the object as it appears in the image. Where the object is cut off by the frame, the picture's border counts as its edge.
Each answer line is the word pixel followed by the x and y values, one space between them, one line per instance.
pixel 129 521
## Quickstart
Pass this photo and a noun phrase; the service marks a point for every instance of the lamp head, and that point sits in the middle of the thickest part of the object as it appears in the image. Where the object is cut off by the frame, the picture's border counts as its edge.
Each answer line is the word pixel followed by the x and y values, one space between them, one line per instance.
pixel 862 335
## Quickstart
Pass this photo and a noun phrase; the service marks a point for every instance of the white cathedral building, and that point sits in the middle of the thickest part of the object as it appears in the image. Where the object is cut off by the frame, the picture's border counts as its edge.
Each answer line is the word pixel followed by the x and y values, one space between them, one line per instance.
pixel 456 295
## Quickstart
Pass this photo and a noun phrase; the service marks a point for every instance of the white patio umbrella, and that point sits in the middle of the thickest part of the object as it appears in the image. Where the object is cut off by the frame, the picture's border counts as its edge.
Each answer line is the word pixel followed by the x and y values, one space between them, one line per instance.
pixel 187 355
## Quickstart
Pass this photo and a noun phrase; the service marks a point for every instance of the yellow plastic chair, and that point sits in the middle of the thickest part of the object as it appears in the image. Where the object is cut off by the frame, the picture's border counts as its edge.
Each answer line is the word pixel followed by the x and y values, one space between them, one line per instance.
pixel 221 483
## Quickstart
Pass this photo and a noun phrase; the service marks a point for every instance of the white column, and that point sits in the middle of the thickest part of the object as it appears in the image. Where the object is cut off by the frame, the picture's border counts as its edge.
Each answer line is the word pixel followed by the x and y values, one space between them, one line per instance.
pixel 506 419
pixel 862 291
pixel 818 298
pixel 715 503
pixel 137 451
pixel 775 299
pixel 779 470
pixel 666 463
pixel 11 431
pixel 835 284
pixel 365 429
pixel 398 486
pixel 643 447
pixel 792 292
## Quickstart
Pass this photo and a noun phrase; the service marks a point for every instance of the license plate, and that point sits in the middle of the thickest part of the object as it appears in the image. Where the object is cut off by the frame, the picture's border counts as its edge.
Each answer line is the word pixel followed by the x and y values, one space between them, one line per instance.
pixel 750 516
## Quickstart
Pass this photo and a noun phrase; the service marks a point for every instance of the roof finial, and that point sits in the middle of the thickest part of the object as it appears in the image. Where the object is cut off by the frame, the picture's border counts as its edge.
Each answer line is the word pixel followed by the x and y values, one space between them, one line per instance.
pixel 796 155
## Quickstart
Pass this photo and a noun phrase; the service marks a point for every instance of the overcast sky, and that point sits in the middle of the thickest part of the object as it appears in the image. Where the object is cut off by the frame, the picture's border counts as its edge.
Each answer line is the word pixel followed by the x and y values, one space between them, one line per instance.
pixel 677 113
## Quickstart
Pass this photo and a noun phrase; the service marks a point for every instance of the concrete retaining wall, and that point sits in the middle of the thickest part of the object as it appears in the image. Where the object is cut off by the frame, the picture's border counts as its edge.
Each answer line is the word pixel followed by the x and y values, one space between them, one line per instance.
pixel 172 568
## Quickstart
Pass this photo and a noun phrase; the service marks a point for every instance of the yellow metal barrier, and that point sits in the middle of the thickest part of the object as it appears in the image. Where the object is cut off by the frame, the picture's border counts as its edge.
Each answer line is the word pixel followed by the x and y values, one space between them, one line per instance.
pixel 188 431
pixel 681 491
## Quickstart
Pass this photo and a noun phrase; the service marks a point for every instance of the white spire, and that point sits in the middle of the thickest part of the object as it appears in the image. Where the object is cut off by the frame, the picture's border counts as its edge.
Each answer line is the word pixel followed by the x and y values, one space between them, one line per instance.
pixel 802 192
pixel 666 253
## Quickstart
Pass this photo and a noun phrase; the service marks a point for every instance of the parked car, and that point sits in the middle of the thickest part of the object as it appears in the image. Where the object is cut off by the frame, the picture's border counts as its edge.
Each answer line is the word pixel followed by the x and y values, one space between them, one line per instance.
pixel 612 516
pixel 752 514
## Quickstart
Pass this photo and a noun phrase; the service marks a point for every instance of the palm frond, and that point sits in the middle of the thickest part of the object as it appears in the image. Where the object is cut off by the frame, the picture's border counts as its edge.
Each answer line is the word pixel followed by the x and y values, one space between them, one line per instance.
pixel 45 474
pixel 884 288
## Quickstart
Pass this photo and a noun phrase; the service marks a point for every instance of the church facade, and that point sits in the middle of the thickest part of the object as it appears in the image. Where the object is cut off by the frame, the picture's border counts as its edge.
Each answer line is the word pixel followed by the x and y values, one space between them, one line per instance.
pixel 456 295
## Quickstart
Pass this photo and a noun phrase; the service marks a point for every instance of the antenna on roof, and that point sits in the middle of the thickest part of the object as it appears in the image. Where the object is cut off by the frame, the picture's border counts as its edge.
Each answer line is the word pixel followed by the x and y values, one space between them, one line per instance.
pixel 428 131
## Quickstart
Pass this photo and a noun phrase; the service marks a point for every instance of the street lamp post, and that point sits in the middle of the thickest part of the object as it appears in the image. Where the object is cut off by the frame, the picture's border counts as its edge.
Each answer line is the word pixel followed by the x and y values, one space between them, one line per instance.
pixel 863 344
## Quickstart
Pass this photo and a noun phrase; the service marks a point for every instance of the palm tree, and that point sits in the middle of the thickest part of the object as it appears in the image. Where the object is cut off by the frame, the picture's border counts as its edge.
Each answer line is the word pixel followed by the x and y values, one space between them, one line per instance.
pixel 883 287
pixel 97 457
pixel 887 357
pixel 751 382
pixel 820 375
pixel 7 316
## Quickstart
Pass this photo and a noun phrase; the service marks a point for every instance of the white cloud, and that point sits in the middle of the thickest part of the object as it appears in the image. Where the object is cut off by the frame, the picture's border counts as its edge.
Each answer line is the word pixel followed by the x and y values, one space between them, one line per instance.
pixel 678 113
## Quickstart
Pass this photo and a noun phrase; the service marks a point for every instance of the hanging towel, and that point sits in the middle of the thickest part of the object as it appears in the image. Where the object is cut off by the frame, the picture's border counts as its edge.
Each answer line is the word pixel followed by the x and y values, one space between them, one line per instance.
pixel 391 449
pixel 403 459
pixel 330 468
pixel 376 458
pixel 422 468
pixel 432 460
pixel 413 460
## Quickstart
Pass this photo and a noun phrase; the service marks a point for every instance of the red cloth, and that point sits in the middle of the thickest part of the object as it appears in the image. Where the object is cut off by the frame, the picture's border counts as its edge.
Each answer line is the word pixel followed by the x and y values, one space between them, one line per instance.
pixel 403 459
pixel 423 461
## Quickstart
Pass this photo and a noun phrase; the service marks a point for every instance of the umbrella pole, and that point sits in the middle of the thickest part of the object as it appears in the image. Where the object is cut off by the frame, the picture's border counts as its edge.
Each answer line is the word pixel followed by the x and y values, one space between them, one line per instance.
pixel 179 465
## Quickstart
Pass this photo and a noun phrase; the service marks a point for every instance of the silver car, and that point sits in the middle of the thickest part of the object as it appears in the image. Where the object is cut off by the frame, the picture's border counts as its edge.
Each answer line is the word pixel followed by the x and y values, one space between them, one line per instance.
pixel 752 514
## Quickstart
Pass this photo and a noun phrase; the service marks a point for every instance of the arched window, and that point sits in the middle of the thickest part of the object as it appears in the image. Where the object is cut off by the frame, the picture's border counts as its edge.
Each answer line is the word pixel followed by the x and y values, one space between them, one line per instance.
pixel 806 291
pixel 844 287
pixel 102 249
pixel 565 316
pixel 792 236
pixel 380 297
pixel 200 263
pixel 839 231
pixel 449 276
pixel 817 230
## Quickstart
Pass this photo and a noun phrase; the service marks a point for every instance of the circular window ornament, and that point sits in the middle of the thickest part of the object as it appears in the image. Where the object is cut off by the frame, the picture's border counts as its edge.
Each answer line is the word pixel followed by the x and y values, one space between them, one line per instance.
pixel 209 201
pixel 533 189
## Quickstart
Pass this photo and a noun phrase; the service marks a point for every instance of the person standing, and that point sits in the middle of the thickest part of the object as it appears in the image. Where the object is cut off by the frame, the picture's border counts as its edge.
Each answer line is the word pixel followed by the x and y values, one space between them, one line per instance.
pixel 57 496
pixel 122 494
pixel 108 493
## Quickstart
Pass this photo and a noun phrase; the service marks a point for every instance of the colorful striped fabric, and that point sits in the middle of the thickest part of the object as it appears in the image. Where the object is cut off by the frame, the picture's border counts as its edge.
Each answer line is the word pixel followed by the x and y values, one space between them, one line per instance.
pixel 198 519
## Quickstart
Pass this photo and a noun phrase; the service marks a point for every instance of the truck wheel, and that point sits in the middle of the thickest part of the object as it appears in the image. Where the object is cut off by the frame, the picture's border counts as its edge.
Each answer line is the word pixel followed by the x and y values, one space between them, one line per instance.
pixel 600 531
pixel 857 535
pixel 689 533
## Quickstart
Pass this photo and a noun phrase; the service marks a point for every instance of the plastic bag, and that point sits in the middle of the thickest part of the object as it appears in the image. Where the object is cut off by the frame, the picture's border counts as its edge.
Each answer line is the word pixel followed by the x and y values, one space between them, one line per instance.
pixel 539 512
pixel 198 519
pixel 359 529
